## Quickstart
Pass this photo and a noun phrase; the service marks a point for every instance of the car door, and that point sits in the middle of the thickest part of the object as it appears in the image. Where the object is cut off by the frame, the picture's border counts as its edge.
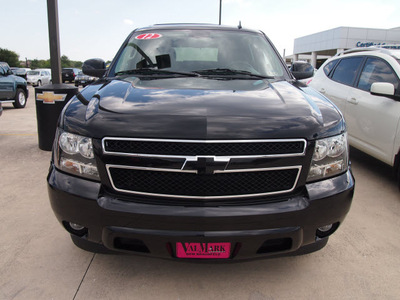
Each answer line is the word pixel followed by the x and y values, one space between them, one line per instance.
pixel 373 121
pixel 339 80
pixel 6 84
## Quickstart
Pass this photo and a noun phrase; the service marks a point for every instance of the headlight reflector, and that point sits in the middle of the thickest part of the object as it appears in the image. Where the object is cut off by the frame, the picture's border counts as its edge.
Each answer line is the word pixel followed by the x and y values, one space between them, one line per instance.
pixel 330 157
pixel 74 144
pixel 74 154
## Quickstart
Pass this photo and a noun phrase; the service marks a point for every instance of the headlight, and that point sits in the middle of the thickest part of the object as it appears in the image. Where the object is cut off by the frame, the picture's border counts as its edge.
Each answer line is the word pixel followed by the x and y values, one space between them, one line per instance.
pixel 74 155
pixel 330 157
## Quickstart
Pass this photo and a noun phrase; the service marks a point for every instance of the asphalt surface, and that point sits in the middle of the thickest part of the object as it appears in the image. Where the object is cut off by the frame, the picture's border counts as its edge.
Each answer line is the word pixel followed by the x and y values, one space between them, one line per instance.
pixel 39 261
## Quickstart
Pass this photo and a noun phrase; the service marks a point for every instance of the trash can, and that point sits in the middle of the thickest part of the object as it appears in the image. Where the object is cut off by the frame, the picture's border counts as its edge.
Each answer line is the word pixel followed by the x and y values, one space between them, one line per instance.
pixel 50 100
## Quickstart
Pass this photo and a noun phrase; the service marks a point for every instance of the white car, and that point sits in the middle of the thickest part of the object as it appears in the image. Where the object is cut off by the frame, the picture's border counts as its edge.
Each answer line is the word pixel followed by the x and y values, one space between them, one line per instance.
pixel 365 85
pixel 38 77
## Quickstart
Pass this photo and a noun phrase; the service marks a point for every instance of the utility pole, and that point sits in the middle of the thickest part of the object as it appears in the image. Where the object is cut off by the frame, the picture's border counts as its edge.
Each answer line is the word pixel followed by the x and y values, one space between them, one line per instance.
pixel 54 40
pixel 220 11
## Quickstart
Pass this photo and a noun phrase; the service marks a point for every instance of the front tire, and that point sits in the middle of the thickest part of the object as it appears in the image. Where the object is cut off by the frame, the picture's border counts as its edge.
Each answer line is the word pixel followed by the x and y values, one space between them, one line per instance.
pixel 20 99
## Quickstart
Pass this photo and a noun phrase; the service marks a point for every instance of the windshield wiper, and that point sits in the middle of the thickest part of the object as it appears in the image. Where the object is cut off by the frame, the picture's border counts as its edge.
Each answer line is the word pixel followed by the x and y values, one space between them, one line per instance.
pixel 150 71
pixel 230 72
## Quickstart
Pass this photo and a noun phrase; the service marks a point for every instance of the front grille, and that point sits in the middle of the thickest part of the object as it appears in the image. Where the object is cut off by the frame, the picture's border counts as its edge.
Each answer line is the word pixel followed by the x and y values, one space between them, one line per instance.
pixel 215 148
pixel 203 185
pixel 203 169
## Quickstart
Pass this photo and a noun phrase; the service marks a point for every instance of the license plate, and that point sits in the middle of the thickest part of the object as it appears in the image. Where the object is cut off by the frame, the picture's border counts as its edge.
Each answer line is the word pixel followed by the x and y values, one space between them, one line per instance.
pixel 203 250
pixel 83 81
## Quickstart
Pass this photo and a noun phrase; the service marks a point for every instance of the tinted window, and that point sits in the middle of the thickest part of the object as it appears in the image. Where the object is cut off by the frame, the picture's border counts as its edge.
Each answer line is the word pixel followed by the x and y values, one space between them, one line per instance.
pixel 329 66
pixel 376 70
pixel 346 70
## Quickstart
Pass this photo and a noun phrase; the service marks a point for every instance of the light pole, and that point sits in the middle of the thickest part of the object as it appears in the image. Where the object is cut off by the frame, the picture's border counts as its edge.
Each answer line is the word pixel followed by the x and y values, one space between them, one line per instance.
pixel 54 39
pixel 220 11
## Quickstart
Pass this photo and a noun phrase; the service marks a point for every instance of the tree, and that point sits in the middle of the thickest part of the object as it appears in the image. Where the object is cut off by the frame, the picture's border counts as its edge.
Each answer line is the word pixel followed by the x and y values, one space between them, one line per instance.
pixel 9 57
pixel 65 62
pixel 40 64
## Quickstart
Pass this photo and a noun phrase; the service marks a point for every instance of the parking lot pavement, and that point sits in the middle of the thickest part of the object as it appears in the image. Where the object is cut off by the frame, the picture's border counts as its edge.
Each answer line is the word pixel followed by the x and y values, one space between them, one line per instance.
pixel 39 261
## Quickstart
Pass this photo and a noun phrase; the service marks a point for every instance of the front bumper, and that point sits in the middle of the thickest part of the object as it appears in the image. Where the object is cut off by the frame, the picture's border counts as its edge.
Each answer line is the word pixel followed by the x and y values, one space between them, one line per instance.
pixel 254 231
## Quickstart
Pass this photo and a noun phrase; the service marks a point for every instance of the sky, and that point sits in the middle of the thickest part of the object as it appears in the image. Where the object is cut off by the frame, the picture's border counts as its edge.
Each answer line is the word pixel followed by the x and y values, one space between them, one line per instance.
pixel 97 28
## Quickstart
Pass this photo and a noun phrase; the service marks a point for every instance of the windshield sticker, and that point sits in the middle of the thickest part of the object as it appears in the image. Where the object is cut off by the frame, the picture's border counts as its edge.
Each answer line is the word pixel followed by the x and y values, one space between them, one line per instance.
pixel 148 36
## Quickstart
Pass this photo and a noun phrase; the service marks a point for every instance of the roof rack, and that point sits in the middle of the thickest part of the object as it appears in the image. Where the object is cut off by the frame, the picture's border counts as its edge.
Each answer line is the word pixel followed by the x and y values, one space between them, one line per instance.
pixel 381 48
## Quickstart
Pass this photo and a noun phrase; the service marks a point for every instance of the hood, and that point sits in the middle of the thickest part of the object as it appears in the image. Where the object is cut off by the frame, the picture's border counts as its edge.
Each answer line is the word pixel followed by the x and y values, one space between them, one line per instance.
pixel 18 79
pixel 200 108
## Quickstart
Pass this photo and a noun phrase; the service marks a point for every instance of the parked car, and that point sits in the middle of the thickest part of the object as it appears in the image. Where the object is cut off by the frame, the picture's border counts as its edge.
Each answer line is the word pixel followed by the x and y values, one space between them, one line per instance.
pixel 21 72
pixel 84 80
pixel 68 74
pixel 364 84
pixel 38 77
pixel 198 144
pixel 14 70
pixel 13 89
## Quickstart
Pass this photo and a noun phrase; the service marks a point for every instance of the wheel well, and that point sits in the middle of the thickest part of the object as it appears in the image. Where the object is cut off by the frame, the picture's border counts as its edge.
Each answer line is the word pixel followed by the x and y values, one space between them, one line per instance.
pixel 22 87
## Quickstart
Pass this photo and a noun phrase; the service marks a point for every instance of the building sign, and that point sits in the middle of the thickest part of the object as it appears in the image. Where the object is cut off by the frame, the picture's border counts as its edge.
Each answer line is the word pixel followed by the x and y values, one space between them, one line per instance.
pixel 381 45
pixel 368 44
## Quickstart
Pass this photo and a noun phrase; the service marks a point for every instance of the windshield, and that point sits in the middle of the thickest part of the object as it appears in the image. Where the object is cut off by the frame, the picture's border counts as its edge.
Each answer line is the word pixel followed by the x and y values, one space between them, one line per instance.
pixel 32 73
pixel 200 51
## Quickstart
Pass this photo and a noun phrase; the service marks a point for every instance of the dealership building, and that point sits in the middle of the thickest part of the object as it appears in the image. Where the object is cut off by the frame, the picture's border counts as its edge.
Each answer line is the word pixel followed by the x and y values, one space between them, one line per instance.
pixel 317 47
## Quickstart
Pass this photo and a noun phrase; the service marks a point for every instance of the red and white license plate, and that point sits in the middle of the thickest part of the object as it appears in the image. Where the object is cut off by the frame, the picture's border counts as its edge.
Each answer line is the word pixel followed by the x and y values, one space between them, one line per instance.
pixel 203 250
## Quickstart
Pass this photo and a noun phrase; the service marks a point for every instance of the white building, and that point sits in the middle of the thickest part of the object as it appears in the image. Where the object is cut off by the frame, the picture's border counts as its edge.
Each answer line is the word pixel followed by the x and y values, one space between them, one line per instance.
pixel 330 42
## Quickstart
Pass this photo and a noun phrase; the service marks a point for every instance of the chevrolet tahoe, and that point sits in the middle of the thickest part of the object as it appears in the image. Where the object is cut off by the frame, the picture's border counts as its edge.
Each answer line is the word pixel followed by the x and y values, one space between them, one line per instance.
pixel 197 143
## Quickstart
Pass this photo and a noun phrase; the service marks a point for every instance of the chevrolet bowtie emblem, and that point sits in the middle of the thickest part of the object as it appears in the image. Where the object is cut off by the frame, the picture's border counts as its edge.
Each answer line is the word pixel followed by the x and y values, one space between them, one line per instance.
pixel 206 164
pixel 50 97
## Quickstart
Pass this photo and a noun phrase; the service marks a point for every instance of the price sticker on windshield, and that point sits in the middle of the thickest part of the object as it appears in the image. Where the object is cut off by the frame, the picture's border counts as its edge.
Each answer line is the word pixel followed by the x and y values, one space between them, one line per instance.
pixel 148 36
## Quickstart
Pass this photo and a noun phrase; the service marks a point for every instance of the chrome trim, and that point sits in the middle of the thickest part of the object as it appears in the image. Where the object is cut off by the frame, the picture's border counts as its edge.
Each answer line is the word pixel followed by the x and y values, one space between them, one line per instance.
pixel 148 169
pixel 223 159
pixel 204 197
pixel 204 142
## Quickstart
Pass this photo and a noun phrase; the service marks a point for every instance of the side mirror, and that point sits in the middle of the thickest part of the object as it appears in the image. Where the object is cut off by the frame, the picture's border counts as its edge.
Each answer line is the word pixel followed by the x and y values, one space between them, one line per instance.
pixel 302 70
pixel 94 67
pixel 382 89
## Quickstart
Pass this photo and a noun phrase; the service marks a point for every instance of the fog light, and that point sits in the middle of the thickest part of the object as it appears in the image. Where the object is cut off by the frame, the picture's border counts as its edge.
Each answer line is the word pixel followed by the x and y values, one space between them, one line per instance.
pixel 76 227
pixel 325 228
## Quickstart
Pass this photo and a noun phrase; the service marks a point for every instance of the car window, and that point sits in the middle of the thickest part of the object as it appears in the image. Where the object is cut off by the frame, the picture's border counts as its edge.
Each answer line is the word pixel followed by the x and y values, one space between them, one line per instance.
pixel 376 70
pixel 347 69
pixel 329 66
pixel 193 50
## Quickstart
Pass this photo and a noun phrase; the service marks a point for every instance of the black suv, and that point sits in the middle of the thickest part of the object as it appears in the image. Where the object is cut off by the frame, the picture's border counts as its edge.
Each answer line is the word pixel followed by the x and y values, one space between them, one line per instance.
pixel 68 74
pixel 13 89
pixel 199 144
